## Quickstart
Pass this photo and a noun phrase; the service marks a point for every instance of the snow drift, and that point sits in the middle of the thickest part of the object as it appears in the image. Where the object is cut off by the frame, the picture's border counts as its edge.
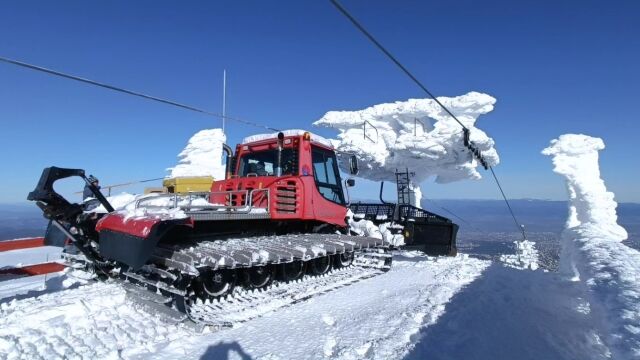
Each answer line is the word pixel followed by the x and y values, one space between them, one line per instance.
pixel 202 156
pixel 415 134
pixel 592 248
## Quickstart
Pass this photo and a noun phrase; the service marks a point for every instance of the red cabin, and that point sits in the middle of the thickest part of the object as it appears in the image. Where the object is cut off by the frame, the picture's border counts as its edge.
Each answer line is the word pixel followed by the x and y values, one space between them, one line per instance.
pixel 292 175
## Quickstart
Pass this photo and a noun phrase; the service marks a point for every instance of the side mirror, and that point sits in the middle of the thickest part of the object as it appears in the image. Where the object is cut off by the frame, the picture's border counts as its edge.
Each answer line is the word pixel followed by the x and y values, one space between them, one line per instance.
pixel 351 182
pixel 353 165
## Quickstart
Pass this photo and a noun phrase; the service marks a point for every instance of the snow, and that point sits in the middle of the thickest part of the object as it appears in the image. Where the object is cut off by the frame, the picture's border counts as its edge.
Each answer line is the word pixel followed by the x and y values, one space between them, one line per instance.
pixel 377 318
pixel 29 286
pixel 292 132
pixel 157 206
pixel 526 256
pixel 362 227
pixel 170 200
pixel 118 202
pixel 424 307
pixel 415 134
pixel 88 322
pixel 593 251
pixel 392 234
pixel 155 213
pixel 513 314
pixel 202 156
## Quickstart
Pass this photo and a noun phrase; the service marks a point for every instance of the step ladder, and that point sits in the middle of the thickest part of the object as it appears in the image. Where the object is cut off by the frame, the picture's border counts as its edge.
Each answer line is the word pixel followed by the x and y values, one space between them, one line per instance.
pixel 405 188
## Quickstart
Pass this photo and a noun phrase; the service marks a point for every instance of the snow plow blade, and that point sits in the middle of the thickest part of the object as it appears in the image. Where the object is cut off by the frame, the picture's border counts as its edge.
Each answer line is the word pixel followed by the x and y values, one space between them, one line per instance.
pixel 54 237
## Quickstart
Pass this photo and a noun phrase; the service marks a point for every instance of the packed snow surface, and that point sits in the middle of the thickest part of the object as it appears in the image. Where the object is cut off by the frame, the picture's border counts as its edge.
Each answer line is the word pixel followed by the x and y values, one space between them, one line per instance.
pixel 592 248
pixel 415 134
pixel 377 318
pixel 202 156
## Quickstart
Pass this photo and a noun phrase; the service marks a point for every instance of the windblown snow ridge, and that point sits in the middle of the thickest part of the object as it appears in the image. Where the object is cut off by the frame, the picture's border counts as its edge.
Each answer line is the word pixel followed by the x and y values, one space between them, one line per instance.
pixel 592 248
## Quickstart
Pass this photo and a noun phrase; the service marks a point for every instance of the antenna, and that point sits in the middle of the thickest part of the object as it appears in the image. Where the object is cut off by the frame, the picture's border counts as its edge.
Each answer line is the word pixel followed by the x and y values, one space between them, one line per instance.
pixel 224 98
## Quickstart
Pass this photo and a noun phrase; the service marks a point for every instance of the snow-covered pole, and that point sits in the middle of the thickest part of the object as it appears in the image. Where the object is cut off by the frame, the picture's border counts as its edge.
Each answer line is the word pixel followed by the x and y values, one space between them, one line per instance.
pixel 592 247
pixel 591 206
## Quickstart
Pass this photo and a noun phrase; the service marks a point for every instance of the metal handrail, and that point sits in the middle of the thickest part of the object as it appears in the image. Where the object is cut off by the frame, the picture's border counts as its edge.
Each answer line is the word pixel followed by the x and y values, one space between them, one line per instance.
pixel 248 200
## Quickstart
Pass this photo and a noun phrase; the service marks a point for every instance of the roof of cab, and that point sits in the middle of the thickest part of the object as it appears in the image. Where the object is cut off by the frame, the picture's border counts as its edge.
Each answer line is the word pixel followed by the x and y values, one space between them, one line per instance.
pixel 292 132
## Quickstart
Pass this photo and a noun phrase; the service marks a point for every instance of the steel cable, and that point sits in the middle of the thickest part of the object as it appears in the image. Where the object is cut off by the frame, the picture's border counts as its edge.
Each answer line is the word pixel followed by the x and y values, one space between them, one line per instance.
pixel 134 93
pixel 415 80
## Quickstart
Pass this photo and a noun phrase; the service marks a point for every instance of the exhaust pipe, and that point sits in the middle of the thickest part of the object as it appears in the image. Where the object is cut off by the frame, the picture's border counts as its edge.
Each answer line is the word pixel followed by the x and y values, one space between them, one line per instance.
pixel 227 149
pixel 279 154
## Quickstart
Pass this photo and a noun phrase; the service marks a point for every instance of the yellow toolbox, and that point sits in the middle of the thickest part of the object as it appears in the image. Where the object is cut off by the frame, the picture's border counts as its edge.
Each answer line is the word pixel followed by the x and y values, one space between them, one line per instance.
pixel 188 184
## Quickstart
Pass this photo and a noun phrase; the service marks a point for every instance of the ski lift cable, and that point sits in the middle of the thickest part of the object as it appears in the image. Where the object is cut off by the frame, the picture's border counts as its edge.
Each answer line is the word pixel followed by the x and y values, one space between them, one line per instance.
pixel 392 58
pixel 452 213
pixel 149 97
pixel 368 35
pixel 520 226
pixel 130 92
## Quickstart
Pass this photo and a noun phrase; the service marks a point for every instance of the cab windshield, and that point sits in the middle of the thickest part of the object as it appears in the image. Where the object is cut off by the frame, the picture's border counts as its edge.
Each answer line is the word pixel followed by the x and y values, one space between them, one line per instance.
pixel 263 163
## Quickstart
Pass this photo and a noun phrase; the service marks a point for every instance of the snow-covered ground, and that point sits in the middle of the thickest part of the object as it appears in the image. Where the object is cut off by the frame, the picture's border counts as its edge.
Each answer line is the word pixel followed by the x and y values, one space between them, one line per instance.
pixel 23 287
pixel 515 314
pixel 12 286
pixel 380 317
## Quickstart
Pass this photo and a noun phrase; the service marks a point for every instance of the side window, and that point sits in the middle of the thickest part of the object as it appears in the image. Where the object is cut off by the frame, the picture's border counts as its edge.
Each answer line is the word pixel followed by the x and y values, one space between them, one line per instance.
pixel 326 175
pixel 331 173
pixel 319 171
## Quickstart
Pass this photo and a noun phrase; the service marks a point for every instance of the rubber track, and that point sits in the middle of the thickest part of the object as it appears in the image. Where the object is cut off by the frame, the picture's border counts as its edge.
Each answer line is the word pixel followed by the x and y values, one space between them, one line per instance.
pixel 242 304
pixel 262 250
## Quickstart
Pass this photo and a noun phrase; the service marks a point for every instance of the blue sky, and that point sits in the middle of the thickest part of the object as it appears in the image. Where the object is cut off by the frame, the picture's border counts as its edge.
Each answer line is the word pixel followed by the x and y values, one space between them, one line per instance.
pixel 555 67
